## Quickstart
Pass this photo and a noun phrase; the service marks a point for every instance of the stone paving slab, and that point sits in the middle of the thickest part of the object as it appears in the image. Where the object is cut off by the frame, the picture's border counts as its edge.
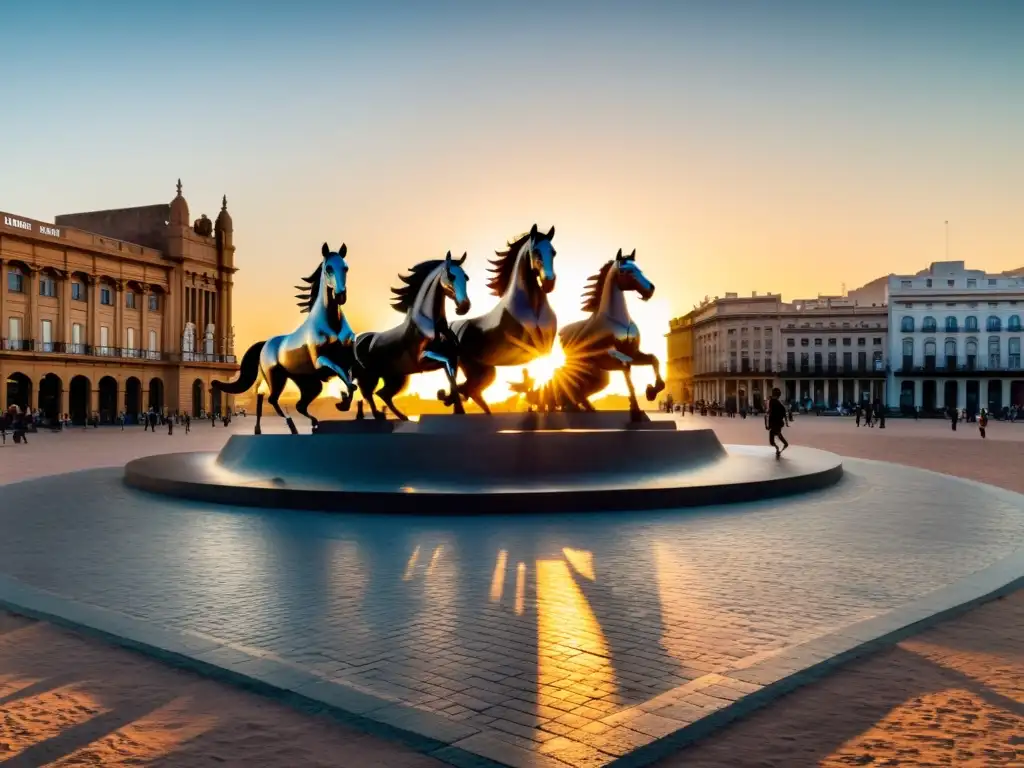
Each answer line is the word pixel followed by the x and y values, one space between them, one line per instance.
pixel 545 637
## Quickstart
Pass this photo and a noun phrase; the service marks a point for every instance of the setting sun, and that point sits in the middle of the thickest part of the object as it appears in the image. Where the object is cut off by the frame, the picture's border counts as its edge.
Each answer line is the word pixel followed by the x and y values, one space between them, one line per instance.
pixel 542 370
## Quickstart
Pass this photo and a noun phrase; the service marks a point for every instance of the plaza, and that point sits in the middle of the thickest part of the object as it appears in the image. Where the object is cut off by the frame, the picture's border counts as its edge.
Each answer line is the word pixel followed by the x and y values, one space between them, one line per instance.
pixel 548 640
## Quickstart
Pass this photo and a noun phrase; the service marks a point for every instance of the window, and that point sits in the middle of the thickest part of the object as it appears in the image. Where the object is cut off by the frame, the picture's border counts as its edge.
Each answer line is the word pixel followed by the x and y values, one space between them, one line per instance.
pixel 972 282
pixel 908 354
pixel 929 355
pixel 130 339
pixel 817 342
pixel 154 302
pixel 993 352
pixel 805 342
pixel 847 361
pixel 970 323
pixel 804 364
pixel 152 341
pixel 831 361
pixel 15 280
pixel 47 286
pixel 106 299
pixel 951 353
pixel 906 283
pixel 77 291
pixel 950 283
pixel 993 324
pixel 1013 324
pixel 877 341
pixel 862 361
pixel 46 331
pixel 104 339
pixel 790 342
pixel 847 342
pixel 928 325
pixel 791 361
pixel 907 325
pixel 971 359
pixel 129 299
pixel 817 361
pixel 831 342
pixel 992 281
pixel 862 342
pixel 77 347
pixel 877 361
pixel 951 325
pixel 928 283
pixel 14 328
pixel 1014 350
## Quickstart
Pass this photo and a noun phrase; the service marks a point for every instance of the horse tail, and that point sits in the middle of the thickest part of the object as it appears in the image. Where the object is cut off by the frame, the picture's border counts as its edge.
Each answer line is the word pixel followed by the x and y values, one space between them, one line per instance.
pixel 248 372
pixel 361 350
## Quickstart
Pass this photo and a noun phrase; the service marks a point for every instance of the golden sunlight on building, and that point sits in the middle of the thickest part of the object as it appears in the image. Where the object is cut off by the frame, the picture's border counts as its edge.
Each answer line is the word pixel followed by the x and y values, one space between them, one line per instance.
pixel 520 588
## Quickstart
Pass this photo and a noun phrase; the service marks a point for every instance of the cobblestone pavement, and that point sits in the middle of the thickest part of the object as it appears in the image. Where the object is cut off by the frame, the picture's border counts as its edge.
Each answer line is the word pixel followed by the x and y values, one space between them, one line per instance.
pixel 539 631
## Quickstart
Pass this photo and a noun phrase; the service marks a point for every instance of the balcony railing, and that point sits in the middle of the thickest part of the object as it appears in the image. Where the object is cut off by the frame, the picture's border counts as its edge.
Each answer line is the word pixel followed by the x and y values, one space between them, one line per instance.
pixel 947 370
pixel 85 350
pixel 833 370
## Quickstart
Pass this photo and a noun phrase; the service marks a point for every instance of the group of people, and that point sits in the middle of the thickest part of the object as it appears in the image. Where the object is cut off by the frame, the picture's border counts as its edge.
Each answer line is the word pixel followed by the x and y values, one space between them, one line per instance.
pixel 16 421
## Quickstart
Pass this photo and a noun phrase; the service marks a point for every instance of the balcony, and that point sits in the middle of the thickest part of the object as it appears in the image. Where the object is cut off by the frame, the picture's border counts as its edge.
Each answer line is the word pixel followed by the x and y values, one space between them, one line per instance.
pixel 961 371
pixel 837 371
pixel 83 350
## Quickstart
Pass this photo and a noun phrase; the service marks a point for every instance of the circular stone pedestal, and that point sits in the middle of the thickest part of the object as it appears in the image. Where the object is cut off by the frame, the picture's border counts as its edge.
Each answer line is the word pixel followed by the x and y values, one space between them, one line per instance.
pixel 475 471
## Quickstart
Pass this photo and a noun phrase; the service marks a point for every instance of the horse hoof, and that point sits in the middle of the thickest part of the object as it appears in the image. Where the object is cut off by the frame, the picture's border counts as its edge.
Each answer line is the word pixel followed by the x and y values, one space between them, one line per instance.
pixel 652 392
pixel 443 397
pixel 258 431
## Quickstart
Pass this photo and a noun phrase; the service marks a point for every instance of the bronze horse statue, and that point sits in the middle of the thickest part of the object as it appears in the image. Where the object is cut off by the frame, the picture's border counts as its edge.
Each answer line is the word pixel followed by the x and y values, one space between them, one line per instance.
pixel 422 342
pixel 308 355
pixel 520 327
pixel 608 340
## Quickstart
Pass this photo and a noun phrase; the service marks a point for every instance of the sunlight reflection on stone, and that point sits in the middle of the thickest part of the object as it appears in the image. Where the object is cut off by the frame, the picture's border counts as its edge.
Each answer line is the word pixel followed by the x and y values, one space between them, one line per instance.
pixel 520 588
pixel 433 559
pixel 498 580
pixel 582 561
pixel 411 565
pixel 567 627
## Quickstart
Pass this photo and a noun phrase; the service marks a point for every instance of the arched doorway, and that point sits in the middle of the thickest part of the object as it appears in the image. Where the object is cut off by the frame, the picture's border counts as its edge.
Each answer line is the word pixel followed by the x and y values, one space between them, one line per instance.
pixel 1017 393
pixel 928 391
pixel 198 400
pixel 132 398
pixel 215 401
pixel 50 387
pixel 19 391
pixel 951 394
pixel 907 396
pixel 156 395
pixel 78 399
pixel 108 400
pixel 995 396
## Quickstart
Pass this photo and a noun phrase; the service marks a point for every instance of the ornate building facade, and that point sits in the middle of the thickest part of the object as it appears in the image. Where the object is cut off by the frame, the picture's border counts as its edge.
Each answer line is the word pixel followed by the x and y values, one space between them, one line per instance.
pixel 955 340
pixel 117 311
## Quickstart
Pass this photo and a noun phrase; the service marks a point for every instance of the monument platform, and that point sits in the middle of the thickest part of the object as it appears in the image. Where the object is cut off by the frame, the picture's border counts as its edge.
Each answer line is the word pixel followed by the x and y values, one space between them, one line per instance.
pixel 504 464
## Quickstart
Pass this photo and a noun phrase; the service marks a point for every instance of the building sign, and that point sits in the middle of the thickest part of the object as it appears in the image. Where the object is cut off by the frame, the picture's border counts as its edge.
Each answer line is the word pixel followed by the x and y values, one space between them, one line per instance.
pixel 30 226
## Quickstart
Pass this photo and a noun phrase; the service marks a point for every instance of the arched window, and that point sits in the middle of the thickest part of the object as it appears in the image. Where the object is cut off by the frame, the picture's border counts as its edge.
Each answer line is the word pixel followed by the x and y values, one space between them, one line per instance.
pixel 993 324
pixel 929 354
pixel 951 348
pixel 1013 324
pixel 970 323
pixel 971 354
pixel 993 352
pixel 1014 353
pixel 951 326
pixel 928 325
pixel 15 280
pixel 907 325
pixel 908 347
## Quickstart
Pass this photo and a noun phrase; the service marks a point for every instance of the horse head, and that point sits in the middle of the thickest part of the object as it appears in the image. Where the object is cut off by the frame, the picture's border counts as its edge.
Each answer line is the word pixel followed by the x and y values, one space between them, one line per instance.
pixel 542 257
pixel 628 276
pixel 453 283
pixel 335 274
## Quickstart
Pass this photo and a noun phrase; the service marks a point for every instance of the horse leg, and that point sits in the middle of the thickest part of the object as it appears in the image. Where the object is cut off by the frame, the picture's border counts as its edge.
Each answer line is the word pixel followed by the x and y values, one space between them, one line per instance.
pixel 324 362
pixel 450 368
pixel 367 382
pixel 309 390
pixel 478 378
pixel 259 413
pixel 392 386
pixel 642 358
pixel 277 379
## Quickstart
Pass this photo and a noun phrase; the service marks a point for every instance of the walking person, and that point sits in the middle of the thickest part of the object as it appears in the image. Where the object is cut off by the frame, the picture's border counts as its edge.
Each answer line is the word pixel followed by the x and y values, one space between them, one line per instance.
pixel 775 420
pixel 982 423
pixel 857 410
pixel 955 417
pixel 188 423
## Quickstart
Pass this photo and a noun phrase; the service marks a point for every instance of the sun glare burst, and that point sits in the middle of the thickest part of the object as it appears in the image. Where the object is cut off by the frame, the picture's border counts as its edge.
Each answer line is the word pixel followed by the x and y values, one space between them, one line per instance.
pixel 542 370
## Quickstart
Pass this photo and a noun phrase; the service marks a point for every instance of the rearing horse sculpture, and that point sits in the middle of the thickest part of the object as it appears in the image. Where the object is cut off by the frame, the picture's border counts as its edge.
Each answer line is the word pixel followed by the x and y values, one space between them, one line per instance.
pixel 521 327
pixel 307 355
pixel 422 342
pixel 606 341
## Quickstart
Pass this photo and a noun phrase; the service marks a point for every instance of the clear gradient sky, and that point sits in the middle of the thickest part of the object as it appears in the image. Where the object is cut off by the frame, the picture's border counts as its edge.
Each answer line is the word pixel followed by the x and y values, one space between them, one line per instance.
pixel 783 146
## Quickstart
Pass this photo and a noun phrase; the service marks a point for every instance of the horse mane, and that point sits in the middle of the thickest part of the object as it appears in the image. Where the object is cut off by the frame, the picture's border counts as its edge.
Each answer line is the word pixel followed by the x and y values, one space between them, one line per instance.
pixel 405 295
pixel 595 284
pixel 503 266
pixel 310 291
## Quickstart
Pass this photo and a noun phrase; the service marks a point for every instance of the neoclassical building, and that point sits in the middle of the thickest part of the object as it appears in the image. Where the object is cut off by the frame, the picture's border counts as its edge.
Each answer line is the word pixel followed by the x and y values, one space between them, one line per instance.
pixel 117 310
pixel 955 339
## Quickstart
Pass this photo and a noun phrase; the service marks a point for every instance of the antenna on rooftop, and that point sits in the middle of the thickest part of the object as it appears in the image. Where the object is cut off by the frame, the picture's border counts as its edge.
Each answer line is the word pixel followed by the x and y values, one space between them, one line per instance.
pixel 947 241
pixel 842 289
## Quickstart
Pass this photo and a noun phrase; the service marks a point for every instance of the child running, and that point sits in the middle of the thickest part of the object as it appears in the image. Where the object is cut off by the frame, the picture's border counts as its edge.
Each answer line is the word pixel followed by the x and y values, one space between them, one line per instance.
pixel 775 420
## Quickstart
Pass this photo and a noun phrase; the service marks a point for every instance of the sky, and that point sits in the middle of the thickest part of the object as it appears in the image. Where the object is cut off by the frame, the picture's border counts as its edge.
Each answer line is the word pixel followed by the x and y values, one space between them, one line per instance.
pixel 791 147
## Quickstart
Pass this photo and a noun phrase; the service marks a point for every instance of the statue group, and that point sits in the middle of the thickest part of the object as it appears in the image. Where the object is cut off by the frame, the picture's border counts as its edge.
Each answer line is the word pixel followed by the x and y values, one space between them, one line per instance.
pixel 519 328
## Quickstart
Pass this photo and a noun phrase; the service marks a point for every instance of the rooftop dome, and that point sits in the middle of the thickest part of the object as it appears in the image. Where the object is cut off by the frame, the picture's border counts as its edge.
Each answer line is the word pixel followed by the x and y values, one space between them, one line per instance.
pixel 224 223
pixel 179 209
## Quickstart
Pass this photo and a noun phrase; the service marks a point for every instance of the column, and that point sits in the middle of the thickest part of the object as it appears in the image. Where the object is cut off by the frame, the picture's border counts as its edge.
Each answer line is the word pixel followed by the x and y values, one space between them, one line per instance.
pixel 94 300
pixel 65 404
pixel 144 332
pixel 228 321
pixel 856 390
pixel 940 394
pixel 65 312
pixel 31 330
pixel 118 340
pixel 94 399
pixel 3 320
pixel 1006 392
